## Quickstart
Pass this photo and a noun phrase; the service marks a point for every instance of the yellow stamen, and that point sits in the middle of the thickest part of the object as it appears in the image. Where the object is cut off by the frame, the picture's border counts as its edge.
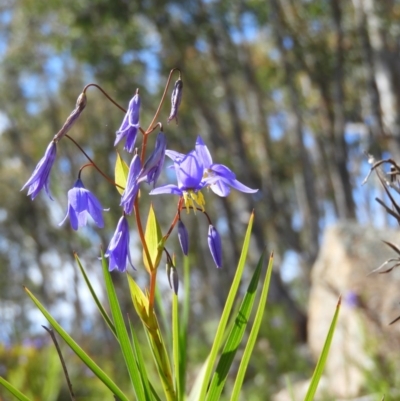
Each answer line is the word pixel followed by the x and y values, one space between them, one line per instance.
pixel 191 199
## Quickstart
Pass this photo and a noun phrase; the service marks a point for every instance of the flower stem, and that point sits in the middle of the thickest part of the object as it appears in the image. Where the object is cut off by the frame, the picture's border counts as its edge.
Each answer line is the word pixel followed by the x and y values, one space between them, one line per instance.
pixel 93 163
pixel 104 93
pixel 162 99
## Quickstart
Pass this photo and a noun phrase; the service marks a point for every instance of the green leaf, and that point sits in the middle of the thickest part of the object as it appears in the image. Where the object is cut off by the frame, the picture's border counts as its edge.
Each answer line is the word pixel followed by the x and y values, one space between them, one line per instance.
pixel 176 347
pixel 148 388
pixel 79 351
pixel 121 173
pixel 226 312
pixel 155 338
pixel 323 357
pixel 122 333
pixel 253 333
pixel 184 322
pixel 96 300
pixel 13 390
pixel 153 238
pixel 235 336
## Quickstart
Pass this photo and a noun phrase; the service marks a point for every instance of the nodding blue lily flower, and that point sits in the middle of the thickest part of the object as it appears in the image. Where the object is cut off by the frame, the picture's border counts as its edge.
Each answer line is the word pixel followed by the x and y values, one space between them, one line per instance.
pixel 150 173
pixel 183 237
pixel 82 203
pixel 132 185
pixel 153 165
pixel 130 125
pixel 118 250
pixel 41 176
pixel 189 173
pixel 176 98
pixel 219 177
pixel 214 243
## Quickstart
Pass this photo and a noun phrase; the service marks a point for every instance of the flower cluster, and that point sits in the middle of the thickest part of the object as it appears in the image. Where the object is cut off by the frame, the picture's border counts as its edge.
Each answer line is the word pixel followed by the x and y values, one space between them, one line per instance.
pixel 194 171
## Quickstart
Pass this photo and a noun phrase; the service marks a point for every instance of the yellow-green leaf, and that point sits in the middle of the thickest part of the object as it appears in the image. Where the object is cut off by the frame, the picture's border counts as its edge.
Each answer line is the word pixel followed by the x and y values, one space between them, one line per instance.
pixel 154 242
pixel 121 173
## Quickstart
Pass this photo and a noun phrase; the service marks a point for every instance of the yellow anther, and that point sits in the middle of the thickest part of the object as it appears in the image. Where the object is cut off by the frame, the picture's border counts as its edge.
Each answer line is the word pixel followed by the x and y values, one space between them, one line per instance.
pixel 192 199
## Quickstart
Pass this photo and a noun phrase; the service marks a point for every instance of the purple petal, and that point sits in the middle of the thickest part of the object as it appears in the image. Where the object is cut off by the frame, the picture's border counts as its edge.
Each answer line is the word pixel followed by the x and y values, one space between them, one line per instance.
pixel 172 154
pixel 95 210
pixel 167 189
pixel 203 153
pixel 118 250
pixel 73 218
pixel 241 187
pixel 223 171
pixel 220 188
pixel 132 185
pixel 189 171
pixel 82 202
pixel 153 165
pixel 40 177
pixel 130 125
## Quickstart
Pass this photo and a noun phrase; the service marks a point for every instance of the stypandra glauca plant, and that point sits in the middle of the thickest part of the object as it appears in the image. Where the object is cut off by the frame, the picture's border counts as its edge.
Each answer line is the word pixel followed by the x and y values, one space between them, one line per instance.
pixel 195 172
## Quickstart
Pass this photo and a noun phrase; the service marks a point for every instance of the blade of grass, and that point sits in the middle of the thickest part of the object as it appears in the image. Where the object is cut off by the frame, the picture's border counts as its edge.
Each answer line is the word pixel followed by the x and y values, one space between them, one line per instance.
pixel 79 351
pixel 96 300
pixel 122 333
pixel 235 336
pixel 176 349
pixel 323 357
pixel 148 388
pixel 253 333
pixel 184 323
pixel 226 312
pixel 13 390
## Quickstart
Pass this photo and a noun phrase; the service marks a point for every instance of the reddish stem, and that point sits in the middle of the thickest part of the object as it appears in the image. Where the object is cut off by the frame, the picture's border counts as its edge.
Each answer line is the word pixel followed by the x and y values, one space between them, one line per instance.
pixel 93 163
pixel 104 93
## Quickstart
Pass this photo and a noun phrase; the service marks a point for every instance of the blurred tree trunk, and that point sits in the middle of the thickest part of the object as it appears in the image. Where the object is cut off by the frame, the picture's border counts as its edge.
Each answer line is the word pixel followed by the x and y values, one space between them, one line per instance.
pixel 383 73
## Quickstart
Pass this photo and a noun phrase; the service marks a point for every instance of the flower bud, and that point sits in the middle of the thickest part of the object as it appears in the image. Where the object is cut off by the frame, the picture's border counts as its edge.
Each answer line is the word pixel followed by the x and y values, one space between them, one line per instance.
pixel 80 105
pixel 176 98
pixel 173 278
pixel 183 237
pixel 214 243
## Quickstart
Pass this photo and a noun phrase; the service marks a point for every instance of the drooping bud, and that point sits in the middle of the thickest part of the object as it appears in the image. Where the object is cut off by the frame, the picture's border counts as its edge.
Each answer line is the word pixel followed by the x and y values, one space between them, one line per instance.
pixel 40 178
pixel 176 98
pixel 132 185
pixel 130 124
pixel 173 278
pixel 80 105
pixel 118 250
pixel 214 243
pixel 153 165
pixel 183 237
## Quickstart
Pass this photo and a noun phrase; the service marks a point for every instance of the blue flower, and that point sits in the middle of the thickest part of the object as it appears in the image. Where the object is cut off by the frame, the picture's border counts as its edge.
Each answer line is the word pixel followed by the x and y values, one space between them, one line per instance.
pixel 82 203
pixel 219 177
pixel 130 125
pixel 153 165
pixel 40 177
pixel 132 185
pixel 189 174
pixel 183 237
pixel 118 250
pixel 214 243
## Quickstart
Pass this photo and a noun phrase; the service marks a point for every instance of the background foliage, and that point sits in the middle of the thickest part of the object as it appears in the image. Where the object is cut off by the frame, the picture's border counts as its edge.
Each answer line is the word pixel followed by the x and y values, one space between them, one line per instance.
pixel 286 93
